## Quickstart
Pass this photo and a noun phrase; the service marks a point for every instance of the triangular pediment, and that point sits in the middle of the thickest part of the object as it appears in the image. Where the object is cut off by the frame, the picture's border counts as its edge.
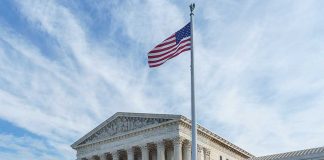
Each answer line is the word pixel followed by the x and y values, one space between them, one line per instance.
pixel 122 123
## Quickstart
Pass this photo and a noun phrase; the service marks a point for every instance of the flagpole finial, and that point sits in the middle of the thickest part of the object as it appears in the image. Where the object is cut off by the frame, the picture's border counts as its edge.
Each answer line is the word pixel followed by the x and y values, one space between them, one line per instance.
pixel 192 7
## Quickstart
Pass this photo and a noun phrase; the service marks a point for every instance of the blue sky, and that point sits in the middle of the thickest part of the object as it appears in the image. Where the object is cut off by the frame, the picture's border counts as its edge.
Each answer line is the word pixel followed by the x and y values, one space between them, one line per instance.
pixel 66 66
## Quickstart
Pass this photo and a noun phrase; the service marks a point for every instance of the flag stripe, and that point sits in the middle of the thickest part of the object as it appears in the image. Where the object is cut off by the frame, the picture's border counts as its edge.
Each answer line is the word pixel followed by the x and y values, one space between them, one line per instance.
pixel 172 43
pixel 163 49
pixel 158 64
pixel 166 41
pixel 162 53
pixel 171 47
pixel 180 46
pixel 170 55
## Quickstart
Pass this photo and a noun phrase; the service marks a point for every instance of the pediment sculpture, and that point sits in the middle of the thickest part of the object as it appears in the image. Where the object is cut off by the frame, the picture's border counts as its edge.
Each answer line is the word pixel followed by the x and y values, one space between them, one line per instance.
pixel 122 124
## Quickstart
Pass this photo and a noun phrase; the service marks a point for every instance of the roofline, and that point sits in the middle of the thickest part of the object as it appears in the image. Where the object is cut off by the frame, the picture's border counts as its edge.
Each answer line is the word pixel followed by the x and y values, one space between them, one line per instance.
pixel 171 116
pixel 291 154
pixel 218 138
pixel 118 114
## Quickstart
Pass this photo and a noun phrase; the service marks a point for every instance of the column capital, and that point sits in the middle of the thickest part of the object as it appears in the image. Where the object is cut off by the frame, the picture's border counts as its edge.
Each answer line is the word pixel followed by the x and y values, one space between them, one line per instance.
pixel 177 147
pixel 130 153
pixel 130 149
pixel 143 146
pixel 103 156
pixel 207 151
pixel 187 150
pixel 160 144
pixel 199 148
pixel 178 140
pixel 160 148
pixel 206 154
pixel 145 151
pixel 115 155
pixel 200 155
pixel 187 145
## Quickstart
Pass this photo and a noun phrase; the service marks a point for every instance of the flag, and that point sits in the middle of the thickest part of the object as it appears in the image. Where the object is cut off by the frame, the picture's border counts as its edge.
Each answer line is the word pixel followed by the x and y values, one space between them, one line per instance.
pixel 172 46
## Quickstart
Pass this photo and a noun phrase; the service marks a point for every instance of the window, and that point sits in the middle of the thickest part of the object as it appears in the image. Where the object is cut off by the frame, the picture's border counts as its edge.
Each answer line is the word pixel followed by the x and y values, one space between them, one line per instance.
pixel 220 158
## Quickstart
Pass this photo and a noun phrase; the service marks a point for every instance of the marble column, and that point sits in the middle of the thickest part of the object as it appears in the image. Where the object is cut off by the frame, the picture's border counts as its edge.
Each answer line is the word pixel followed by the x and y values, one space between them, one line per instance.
pixel 200 153
pixel 206 154
pixel 130 154
pixel 169 153
pixel 145 152
pixel 160 150
pixel 115 155
pixel 177 146
pixel 187 151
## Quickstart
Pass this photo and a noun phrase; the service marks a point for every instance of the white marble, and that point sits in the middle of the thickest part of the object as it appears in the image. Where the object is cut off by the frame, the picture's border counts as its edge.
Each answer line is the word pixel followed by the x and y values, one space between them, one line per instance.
pixel 136 136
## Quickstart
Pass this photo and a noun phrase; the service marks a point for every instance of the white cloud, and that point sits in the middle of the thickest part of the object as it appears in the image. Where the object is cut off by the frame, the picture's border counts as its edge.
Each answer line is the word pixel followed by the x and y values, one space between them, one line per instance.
pixel 257 71
pixel 24 148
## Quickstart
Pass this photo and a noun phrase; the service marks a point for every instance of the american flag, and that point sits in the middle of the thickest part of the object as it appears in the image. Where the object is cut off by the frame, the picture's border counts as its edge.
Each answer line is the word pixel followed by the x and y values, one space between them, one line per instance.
pixel 174 45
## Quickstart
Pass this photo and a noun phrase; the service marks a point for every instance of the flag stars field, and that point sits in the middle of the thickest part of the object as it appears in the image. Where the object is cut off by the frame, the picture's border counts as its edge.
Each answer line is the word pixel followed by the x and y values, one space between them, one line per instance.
pixel 171 47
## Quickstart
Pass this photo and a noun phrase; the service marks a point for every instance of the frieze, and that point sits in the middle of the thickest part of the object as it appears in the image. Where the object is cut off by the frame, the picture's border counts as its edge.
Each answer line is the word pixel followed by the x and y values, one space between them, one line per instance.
pixel 215 138
pixel 123 124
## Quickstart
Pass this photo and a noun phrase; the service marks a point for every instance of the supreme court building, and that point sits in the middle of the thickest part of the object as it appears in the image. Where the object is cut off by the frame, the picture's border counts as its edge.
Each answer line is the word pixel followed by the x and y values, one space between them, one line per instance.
pixel 142 136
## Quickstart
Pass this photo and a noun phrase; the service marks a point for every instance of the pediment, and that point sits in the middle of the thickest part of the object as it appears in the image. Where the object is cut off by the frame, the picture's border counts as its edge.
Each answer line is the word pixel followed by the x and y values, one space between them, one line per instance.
pixel 122 123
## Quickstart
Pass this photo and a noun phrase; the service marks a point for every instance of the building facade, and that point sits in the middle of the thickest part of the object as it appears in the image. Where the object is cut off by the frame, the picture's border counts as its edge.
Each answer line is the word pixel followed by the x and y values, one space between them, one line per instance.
pixel 306 154
pixel 139 136
pixel 142 136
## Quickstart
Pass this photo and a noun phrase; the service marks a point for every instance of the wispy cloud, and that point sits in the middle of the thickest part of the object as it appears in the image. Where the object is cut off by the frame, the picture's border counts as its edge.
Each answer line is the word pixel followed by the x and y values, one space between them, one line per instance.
pixel 25 148
pixel 258 68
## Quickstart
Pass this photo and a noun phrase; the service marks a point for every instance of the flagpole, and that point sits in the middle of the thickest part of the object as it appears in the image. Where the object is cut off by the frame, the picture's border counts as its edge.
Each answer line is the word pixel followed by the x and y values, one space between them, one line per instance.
pixel 193 110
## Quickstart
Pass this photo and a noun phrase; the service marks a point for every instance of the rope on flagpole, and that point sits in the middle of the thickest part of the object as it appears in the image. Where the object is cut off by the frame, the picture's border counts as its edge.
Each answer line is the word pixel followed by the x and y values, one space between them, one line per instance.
pixel 193 109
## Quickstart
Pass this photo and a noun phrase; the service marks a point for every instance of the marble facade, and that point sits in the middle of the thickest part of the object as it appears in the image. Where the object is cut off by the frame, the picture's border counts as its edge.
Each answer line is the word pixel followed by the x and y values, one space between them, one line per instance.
pixel 141 136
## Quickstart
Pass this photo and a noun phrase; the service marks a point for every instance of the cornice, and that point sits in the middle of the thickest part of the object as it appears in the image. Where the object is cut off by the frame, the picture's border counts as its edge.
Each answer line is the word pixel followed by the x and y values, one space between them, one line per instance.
pixel 176 120
pixel 125 114
pixel 212 136
pixel 129 134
